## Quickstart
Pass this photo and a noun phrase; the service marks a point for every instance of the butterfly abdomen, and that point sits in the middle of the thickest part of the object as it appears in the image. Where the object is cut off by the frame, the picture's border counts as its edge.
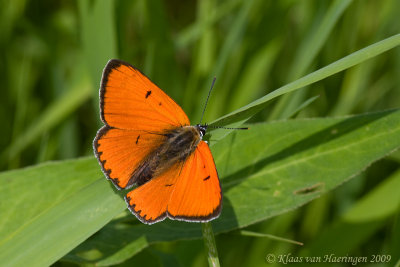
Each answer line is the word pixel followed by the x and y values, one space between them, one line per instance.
pixel 178 145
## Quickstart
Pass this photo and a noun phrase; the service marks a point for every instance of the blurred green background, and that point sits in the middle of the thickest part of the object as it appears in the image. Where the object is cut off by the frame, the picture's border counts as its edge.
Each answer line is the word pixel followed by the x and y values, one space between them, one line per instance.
pixel 53 53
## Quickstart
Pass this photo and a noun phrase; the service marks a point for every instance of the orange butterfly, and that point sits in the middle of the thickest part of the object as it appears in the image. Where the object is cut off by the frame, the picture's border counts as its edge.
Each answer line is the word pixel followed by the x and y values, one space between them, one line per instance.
pixel 147 141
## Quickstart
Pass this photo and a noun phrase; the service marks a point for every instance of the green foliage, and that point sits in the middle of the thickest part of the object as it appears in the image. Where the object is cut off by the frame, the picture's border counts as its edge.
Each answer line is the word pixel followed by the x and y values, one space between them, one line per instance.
pixel 328 59
pixel 303 162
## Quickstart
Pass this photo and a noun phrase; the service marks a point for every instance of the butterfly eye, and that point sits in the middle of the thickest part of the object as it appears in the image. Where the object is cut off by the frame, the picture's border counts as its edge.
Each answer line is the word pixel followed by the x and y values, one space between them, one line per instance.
pixel 202 129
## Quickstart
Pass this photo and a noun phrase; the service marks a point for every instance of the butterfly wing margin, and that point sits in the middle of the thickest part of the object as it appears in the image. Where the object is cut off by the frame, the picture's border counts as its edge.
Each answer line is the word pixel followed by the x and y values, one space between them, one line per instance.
pixel 197 195
pixel 129 100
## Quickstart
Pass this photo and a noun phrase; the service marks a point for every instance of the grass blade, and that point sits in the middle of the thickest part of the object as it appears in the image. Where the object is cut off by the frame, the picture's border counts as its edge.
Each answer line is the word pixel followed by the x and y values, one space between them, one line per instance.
pixel 355 58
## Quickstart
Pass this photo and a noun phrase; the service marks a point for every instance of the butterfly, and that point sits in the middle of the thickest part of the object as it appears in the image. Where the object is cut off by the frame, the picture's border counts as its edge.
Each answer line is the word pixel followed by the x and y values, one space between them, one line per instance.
pixel 147 141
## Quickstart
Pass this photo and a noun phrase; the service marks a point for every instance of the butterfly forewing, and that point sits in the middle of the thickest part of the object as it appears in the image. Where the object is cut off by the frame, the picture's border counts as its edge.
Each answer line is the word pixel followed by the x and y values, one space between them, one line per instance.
pixel 135 112
pixel 129 100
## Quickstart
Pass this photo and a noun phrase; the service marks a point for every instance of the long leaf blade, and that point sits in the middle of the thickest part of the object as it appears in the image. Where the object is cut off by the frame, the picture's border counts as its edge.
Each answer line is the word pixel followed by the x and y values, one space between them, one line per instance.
pixel 266 171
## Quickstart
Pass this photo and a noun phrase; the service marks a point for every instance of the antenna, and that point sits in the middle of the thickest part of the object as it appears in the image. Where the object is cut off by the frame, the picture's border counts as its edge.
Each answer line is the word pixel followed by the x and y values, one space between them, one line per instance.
pixel 227 128
pixel 209 93
pixel 215 127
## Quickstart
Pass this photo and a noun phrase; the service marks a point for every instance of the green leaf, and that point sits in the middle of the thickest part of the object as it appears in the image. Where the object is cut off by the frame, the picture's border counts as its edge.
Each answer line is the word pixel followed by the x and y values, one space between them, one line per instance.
pixel 34 190
pixel 48 210
pixel 265 171
pixel 355 58
pixel 284 164
pixel 360 222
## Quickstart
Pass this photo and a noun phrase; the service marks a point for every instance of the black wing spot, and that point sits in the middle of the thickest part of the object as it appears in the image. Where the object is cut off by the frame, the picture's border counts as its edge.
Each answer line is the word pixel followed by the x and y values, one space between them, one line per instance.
pixel 204 166
pixel 116 180
pixel 148 93
pixel 137 139
pixel 160 104
pixel 167 185
pixel 205 179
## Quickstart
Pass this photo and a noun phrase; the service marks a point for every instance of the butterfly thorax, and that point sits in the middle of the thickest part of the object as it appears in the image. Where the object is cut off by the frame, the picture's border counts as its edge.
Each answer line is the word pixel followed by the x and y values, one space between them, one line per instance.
pixel 178 144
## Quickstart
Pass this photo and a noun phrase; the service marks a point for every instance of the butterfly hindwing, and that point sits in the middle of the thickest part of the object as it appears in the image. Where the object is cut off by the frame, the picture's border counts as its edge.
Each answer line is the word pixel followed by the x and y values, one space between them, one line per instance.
pixel 189 192
pixel 149 202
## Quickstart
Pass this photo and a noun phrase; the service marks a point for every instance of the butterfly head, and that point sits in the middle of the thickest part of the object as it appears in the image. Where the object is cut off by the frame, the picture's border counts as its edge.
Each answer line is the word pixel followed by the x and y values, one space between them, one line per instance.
pixel 202 129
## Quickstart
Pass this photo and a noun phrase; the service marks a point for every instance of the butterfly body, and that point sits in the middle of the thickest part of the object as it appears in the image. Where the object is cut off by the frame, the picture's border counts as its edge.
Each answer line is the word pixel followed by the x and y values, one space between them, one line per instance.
pixel 147 141
pixel 178 144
